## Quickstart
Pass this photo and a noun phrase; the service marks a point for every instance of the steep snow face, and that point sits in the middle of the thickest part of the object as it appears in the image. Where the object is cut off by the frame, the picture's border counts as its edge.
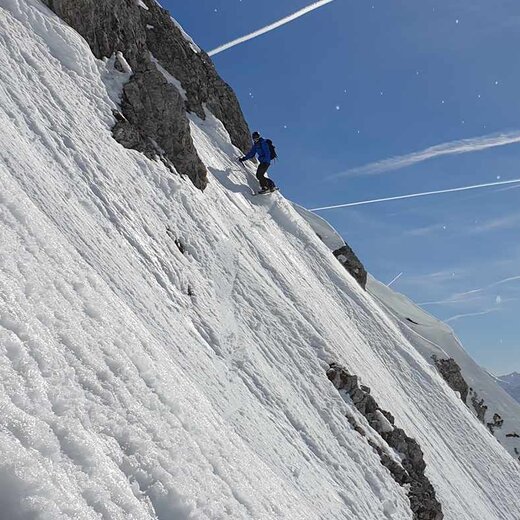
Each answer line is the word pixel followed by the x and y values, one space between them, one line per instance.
pixel 432 337
pixel 332 239
pixel 163 351
pixel 327 234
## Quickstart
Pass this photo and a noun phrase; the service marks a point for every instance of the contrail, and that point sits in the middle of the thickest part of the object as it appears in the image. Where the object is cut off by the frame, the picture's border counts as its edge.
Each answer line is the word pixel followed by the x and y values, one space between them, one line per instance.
pixel 506 280
pixel 395 279
pixel 469 314
pixel 414 195
pixel 461 297
pixel 271 27
pixel 452 148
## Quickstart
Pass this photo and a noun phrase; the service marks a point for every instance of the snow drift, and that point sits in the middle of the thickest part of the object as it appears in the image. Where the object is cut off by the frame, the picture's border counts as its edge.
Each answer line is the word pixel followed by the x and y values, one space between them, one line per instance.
pixel 164 352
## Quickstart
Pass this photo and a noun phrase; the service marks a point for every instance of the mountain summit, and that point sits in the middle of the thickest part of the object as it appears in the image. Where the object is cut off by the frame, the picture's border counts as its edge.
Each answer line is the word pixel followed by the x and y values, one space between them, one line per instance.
pixel 173 348
pixel 511 384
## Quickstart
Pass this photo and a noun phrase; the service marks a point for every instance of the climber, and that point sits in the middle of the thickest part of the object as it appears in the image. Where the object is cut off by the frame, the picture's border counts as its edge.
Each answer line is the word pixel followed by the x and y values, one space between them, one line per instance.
pixel 266 153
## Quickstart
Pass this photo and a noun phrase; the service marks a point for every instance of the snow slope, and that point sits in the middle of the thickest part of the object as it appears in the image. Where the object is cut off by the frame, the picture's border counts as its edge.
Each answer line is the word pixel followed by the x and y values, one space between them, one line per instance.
pixel 327 234
pixel 433 337
pixel 138 382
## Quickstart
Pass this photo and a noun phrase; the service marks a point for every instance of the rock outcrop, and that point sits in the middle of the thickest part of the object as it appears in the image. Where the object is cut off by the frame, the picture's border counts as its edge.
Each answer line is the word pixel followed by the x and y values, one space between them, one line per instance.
pixel 452 374
pixel 478 405
pixel 153 117
pixel 497 422
pixel 409 472
pixel 352 264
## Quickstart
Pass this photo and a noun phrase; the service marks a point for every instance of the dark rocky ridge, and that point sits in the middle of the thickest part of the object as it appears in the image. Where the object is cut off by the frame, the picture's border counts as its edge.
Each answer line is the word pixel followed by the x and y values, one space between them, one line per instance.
pixel 154 119
pixel 452 374
pixel 411 471
pixel 349 260
pixel 478 405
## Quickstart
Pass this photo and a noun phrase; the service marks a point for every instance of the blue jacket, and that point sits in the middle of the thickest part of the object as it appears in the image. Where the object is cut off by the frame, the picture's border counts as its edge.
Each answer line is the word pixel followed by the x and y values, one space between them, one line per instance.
pixel 262 149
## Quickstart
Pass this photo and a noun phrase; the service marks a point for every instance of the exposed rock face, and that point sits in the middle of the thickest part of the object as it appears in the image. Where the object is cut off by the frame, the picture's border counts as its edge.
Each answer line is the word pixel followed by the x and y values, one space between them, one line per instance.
pixel 497 422
pixel 154 119
pixel 154 122
pixel 478 406
pixel 352 264
pixel 410 471
pixel 452 374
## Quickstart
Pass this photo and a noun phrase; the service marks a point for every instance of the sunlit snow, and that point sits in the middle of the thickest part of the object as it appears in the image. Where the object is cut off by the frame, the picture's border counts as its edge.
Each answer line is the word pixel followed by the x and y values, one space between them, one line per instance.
pixel 138 382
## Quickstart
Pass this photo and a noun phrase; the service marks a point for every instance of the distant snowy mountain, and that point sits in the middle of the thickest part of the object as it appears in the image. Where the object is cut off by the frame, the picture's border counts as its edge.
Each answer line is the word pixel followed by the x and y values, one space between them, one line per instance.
pixel 511 384
pixel 173 348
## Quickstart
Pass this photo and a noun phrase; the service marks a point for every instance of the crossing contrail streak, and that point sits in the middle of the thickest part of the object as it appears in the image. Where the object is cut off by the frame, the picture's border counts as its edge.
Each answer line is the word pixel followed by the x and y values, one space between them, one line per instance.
pixel 395 279
pixel 470 314
pixel 415 195
pixel 269 28
pixel 452 148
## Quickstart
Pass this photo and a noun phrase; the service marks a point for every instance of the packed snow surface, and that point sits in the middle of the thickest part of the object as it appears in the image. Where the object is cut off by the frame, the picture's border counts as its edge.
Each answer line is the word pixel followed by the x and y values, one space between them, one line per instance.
pixel 138 382
pixel 327 234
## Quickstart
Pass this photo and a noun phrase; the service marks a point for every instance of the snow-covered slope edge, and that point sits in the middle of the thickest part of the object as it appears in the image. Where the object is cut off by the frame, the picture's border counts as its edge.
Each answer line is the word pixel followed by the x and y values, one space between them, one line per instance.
pixel 339 248
pixel 141 382
pixel 436 341
pixel 495 408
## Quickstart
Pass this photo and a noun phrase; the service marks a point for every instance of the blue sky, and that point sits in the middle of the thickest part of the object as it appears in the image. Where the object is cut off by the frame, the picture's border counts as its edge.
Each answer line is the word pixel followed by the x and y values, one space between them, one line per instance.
pixel 356 82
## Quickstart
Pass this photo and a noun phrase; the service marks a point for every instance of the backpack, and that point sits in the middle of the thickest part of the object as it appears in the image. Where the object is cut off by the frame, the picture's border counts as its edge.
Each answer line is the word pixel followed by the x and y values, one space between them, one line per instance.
pixel 272 149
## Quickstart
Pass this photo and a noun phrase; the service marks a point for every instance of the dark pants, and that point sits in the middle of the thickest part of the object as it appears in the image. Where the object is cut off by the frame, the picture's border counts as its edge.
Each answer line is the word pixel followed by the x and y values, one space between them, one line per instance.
pixel 265 183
